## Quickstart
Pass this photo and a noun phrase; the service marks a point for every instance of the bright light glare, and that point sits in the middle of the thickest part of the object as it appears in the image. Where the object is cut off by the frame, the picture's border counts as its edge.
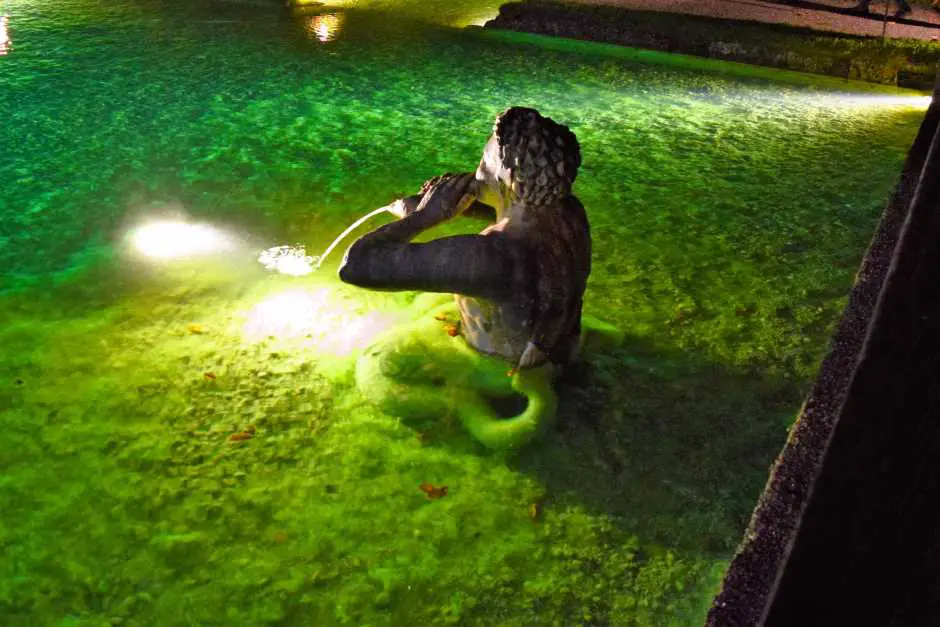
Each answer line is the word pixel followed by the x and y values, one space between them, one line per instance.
pixel 482 19
pixel 876 100
pixel 173 240
pixel 325 321
pixel 290 260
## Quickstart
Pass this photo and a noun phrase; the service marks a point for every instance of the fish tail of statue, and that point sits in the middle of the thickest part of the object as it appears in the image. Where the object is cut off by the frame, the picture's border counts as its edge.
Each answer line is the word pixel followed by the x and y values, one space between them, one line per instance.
pixel 512 433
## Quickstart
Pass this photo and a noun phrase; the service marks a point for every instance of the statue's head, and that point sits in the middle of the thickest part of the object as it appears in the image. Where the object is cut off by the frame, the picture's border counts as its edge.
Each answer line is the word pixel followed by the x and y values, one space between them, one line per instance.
pixel 531 158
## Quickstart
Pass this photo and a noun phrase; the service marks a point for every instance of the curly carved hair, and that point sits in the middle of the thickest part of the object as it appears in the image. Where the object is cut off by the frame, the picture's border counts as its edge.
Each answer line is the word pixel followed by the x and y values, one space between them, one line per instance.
pixel 542 155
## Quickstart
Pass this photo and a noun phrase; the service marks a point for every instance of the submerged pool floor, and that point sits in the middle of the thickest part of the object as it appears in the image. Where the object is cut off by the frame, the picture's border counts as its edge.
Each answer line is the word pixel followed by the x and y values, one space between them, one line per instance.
pixel 181 448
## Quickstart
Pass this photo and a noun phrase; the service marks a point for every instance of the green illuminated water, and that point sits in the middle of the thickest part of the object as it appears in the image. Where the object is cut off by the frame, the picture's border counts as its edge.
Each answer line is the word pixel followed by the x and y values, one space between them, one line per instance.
pixel 730 208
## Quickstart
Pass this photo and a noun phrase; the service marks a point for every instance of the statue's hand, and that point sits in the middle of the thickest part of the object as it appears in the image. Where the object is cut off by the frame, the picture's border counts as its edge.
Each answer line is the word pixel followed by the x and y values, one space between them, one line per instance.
pixel 447 196
pixel 429 184
pixel 444 186
pixel 404 207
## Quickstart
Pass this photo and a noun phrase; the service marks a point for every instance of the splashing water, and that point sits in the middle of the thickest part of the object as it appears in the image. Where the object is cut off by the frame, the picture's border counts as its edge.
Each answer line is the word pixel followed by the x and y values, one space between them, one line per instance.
pixel 352 227
pixel 294 261
pixel 290 260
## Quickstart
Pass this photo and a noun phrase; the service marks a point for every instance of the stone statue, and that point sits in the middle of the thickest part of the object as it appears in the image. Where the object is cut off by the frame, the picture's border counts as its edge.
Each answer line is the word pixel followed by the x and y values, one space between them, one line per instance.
pixel 518 286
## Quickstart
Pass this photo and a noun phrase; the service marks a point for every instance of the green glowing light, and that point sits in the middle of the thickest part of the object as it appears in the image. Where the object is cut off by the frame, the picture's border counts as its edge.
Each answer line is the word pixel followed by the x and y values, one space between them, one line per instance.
pixel 323 319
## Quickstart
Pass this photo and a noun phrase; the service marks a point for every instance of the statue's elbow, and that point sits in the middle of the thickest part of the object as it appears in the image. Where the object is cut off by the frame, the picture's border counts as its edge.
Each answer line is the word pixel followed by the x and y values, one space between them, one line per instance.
pixel 366 265
pixel 350 272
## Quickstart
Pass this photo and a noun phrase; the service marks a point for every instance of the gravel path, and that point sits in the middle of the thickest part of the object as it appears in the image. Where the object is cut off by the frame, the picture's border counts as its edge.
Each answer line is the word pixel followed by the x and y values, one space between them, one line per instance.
pixel 776 13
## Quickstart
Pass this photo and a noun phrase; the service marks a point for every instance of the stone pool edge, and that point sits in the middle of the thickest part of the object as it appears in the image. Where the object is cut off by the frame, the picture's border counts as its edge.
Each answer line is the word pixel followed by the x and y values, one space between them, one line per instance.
pixel 905 63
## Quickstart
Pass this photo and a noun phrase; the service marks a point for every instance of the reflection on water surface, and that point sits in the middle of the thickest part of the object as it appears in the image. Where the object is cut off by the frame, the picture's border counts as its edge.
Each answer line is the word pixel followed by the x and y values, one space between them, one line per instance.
pixel 325 27
pixel 5 44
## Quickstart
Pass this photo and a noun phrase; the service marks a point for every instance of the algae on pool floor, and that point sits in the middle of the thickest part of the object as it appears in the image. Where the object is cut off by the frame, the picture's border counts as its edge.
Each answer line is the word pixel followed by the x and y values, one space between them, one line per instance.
pixel 729 212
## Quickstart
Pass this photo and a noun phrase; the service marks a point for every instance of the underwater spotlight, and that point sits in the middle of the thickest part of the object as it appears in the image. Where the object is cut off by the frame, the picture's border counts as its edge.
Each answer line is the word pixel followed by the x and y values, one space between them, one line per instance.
pixel 293 313
pixel 328 320
pixel 175 240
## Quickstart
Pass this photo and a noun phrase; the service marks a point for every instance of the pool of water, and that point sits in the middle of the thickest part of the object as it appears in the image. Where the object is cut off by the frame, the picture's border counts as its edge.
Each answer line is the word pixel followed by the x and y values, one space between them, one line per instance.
pixel 729 206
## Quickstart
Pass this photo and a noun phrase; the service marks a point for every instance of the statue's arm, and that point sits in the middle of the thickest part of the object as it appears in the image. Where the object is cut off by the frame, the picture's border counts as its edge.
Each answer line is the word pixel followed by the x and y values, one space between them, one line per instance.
pixel 473 265
pixel 476 209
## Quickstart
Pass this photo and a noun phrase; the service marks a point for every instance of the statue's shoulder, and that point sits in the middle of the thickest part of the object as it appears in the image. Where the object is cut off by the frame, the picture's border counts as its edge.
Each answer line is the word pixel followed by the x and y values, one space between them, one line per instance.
pixel 572 206
pixel 574 200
